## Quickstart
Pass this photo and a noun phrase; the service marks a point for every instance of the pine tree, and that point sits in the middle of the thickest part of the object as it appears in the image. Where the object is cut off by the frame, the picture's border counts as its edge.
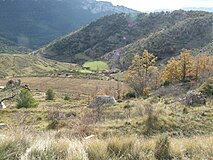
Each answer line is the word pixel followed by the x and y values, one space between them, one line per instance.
pixel 26 100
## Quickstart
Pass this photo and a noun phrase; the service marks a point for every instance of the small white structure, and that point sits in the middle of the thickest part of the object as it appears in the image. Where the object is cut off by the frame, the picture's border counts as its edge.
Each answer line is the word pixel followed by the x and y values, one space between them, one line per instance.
pixel 2 105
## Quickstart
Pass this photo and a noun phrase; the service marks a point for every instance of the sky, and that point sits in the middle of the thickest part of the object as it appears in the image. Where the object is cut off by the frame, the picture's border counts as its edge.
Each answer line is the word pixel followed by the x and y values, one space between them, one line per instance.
pixel 151 5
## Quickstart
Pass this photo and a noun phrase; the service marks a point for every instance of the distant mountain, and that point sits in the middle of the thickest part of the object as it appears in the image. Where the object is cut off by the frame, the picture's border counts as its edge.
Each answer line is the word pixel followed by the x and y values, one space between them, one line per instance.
pixel 199 9
pixel 210 9
pixel 116 38
pixel 7 46
pixel 33 23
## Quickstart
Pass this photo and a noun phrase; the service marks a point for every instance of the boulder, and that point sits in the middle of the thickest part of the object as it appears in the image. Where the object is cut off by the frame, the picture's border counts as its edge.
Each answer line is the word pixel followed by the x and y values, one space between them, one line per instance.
pixel 13 84
pixel 102 100
pixel 195 98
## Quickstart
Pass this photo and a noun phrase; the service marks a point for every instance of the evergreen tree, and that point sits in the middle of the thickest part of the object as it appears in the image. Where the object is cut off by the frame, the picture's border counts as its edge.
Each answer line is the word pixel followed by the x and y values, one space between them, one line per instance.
pixel 26 100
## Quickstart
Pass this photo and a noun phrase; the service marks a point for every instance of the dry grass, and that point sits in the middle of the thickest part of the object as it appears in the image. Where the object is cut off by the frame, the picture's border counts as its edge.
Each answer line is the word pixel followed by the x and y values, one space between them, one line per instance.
pixel 49 146
pixel 66 85
pixel 119 132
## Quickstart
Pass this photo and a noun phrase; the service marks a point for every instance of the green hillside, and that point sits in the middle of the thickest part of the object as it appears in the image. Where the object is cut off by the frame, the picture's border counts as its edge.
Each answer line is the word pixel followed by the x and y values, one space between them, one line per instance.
pixel 193 33
pixel 7 46
pixel 22 64
pixel 163 33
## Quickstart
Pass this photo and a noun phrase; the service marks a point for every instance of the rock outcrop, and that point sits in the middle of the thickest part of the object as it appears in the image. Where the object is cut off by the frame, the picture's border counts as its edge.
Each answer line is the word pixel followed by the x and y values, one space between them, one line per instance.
pixel 195 98
pixel 102 100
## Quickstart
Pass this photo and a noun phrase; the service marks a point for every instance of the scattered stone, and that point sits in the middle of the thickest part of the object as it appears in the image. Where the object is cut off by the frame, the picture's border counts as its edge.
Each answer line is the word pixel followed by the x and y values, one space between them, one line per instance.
pixel 2 87
pixel 70 114
pixel 102 100
pixel 13 84
pixel 2 125
pixel 2 105
pixel 185 111
pixel 204 114
pixel 89 137
pixel 195 98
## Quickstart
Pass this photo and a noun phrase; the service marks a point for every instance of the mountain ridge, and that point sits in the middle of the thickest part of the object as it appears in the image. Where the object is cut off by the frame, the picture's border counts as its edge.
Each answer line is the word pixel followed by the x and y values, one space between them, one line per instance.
pixel 112 33
pixel 193 34
pixel 34 23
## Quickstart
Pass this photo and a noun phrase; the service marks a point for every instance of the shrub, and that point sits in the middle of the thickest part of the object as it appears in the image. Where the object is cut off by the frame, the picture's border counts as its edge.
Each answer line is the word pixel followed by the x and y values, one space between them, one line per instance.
pixel 146 92
pixel 53 124
pixel 131 95
pixel 152 117
pixel 162 148
pixel 128 108
pixel 50 95
pixel 54 119
pixel 26 100
pixel 207 87
pixel 66 98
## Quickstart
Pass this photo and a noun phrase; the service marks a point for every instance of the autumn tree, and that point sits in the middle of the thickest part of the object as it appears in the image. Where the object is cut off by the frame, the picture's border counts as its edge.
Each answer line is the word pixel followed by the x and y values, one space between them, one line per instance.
pixel 179 69
pixel 154 74
pixel 138 74
pixel 172 71
pixel 203 66
pixel 186 64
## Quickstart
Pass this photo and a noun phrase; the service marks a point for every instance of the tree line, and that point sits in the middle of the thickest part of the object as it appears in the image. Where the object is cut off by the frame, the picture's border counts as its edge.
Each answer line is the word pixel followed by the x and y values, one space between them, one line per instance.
pixel 144 73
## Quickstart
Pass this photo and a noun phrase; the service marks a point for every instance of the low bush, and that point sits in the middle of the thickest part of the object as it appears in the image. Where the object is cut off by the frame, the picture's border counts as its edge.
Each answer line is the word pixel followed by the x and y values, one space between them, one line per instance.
pixel 67 98
pixel 50 95
pixel 130 95
pixel 207 87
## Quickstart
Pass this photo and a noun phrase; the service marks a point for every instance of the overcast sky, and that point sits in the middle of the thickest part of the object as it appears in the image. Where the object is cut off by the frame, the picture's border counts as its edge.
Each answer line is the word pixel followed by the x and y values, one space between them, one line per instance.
pixel 151 5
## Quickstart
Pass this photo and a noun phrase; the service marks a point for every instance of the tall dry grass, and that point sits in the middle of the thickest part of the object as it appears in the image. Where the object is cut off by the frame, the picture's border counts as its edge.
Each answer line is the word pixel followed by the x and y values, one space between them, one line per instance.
pixel 48 145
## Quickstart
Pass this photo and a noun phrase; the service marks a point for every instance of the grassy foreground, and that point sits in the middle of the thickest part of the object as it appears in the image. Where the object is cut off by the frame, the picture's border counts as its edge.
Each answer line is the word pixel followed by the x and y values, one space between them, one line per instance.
pixel 20 143
pixel 132 129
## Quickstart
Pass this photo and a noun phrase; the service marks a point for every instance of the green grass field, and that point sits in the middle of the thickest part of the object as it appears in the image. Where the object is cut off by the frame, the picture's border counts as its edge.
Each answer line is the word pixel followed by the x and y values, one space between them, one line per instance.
pixel 85 71
pixel 97 65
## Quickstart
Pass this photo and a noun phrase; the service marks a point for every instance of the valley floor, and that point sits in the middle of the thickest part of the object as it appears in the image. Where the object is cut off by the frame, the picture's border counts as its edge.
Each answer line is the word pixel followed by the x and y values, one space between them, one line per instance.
pixel 131 129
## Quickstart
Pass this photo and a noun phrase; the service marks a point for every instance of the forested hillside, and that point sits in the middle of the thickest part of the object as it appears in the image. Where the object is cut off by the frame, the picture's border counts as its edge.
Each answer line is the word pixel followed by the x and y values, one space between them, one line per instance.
pixel 33 23
pixel 117 37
